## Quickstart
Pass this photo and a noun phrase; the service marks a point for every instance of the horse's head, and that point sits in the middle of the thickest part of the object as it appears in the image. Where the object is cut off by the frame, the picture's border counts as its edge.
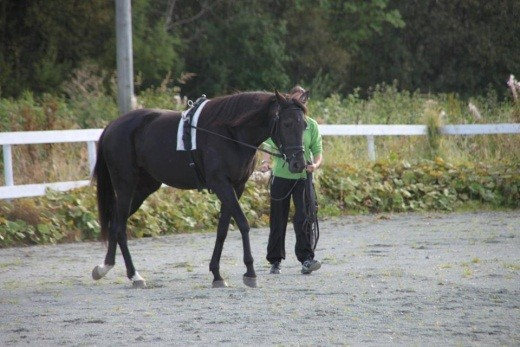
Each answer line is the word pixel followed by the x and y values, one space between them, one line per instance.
pixel 287 129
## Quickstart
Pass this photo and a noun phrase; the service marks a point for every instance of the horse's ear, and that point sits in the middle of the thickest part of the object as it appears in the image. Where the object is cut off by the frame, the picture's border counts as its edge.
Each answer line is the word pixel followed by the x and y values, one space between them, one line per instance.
pixel 280 98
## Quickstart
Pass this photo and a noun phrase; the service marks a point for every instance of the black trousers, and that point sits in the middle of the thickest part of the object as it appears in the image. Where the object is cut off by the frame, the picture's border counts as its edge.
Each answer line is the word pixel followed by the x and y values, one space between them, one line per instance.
pixel 282 190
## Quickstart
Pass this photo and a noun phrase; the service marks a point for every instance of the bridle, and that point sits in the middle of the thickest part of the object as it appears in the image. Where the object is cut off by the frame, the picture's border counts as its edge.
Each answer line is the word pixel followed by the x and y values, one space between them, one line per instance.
pixel 275 136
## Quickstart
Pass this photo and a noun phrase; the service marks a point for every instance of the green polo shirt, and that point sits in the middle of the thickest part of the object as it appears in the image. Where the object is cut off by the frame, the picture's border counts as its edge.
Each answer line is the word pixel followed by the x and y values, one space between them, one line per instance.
pixel 312 145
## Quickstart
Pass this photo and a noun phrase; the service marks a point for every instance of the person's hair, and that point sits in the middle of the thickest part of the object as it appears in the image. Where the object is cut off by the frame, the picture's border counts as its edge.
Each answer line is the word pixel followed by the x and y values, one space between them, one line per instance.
pixel 297 89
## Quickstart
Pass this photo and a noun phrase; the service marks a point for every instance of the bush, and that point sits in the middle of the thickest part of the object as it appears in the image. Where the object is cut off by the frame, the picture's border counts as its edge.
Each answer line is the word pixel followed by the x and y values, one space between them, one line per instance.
pixel 403 180
pixel 380 187
pixel 423 186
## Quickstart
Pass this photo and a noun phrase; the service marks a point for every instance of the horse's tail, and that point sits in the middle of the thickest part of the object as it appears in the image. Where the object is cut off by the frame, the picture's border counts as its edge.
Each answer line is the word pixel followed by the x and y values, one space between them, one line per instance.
pixel 105 191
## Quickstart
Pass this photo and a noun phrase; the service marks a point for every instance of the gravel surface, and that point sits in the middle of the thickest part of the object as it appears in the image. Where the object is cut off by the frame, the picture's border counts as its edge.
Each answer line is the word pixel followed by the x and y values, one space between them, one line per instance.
pixel 403 279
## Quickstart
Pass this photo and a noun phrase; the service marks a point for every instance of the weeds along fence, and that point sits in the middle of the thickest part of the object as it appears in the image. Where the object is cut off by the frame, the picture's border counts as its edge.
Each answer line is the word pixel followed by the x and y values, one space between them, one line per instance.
pixel 89 137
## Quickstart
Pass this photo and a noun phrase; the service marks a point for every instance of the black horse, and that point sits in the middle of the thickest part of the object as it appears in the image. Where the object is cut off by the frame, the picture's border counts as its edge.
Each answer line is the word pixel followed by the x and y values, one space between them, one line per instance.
pixel 138 152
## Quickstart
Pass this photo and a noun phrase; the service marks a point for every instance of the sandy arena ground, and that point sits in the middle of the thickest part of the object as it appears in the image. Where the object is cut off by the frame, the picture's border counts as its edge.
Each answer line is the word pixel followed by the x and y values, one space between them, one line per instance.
pixel 403 279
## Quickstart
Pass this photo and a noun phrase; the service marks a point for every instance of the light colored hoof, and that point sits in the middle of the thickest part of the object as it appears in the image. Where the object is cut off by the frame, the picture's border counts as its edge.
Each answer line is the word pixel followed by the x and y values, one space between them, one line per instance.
pixel 139 284
pixel 250 282
pixel 219 284
pixel 95 273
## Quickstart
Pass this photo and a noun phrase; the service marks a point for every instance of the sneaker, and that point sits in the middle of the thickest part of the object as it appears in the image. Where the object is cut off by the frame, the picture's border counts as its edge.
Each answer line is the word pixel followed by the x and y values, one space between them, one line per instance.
pixel 276 268
pixel 310 265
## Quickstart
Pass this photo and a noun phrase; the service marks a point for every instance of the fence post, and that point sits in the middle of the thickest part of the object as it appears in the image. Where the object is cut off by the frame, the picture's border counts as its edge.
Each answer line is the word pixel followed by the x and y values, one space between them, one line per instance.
pixel 91 145
pixel 8 165
pixel 371 147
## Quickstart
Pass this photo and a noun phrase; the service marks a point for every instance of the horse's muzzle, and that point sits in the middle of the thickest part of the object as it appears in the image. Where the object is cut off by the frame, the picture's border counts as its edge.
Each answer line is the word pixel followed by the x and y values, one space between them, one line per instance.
pixel 297 163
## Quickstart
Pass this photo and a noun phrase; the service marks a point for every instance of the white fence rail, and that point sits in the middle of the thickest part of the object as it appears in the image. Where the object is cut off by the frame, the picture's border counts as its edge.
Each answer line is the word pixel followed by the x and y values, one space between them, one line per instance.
pixel 9 139
pixel 90 136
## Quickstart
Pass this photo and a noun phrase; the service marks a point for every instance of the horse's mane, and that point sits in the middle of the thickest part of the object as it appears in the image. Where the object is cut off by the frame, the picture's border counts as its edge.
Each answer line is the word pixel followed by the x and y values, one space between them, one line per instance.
pixel 234 110
pixel 237 109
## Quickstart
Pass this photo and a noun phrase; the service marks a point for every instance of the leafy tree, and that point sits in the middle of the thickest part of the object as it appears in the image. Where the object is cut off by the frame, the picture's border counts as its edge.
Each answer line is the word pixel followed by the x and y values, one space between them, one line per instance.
pixel 43 40
pixel 447 46
pixel 220 46
pixel 317 59
pixel 235 45
pixel 323 37
pixel 157 52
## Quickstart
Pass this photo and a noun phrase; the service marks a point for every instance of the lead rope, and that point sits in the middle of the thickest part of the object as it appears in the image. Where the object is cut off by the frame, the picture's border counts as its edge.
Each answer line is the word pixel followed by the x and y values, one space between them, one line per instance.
pixel 270 182
pixel 310 224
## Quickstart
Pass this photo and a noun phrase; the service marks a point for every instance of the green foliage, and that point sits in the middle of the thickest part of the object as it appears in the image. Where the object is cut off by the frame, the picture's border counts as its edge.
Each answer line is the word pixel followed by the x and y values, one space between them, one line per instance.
pixel 31 112
pixel 355 22
pixel 425 185
pixel 445 46
pixel 54 218
pixel 380 187
pixel 384 105
pixel 42 41
pixel 90 93
pixel 238 46
pixel 432 119
pixel 156 51
pixel 162 97
pixel 388 104
pixel 88 104
pixel 171 211
pixel 402 181
pixel 227 45
pixel 72 216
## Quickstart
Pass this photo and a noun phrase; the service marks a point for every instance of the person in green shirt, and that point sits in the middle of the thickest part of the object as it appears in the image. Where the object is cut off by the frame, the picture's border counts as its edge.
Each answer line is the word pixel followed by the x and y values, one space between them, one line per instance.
pixel 286 185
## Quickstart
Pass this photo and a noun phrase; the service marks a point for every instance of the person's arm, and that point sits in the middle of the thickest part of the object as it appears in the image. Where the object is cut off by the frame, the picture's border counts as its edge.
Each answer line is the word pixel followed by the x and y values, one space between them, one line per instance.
pixel 316 163
pixel 265 164
pixel 316 149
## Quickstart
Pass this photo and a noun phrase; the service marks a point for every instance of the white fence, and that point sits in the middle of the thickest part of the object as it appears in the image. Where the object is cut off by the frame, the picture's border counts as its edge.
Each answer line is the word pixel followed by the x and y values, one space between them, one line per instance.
pixel 90 136
pixel 9 139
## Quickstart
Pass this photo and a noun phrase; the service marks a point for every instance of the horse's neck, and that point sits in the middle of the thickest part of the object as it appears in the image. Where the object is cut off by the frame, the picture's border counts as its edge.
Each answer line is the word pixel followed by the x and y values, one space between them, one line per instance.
pixel 254 136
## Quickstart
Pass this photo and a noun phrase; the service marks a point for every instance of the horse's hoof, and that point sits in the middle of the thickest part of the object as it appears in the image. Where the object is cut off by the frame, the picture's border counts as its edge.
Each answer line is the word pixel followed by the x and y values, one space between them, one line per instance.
pixel 219 284
pixel 139 284
pixel 95 273
pixel 250 281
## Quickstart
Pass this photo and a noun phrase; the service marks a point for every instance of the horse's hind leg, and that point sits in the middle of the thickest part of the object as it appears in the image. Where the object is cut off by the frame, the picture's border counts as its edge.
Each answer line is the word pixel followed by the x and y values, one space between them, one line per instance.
pixel 110 259
pixel 128 205
pixel 117 235
pixel 101 270
pixel 128 202
pixel 146 186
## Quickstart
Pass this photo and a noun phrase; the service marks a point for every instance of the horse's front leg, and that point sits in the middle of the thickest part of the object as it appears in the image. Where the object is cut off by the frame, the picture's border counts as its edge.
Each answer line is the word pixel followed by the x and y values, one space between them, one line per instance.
pixel 222 230
pixel 231 208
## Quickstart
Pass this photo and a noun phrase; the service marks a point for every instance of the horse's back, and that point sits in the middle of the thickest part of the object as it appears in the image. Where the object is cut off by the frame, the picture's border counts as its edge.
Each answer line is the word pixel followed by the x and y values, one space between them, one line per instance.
pixel 147 139
pixel 122 131
pixel 135 119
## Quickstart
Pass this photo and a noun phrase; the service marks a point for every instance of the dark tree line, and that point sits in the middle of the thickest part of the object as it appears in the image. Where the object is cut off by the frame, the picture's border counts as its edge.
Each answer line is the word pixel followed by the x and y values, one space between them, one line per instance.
pixel 220 46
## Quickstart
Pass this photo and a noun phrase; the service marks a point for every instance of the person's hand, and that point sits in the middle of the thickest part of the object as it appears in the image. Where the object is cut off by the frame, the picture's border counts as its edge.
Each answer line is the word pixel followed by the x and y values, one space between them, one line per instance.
pixel 311 168
pixel 264 167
